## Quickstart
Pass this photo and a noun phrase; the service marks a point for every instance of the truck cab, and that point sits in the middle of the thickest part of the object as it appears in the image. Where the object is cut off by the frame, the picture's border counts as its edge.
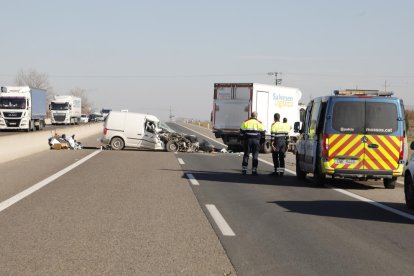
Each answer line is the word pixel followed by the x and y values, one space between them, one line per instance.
pixel 22 108
pixel 358 134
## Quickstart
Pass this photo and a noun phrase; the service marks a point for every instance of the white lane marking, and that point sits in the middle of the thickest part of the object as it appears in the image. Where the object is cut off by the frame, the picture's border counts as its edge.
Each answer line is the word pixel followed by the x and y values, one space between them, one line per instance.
pixel 271 164
pixel 220 221
pixel 16 198
pixel 377 204
pixel 201 134
pixel 181 161
pixel 192 179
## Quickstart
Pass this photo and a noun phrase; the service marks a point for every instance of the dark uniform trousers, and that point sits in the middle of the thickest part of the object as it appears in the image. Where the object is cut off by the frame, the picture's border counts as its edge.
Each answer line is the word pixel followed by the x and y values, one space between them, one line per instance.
pixel 251 145
pixel 278 154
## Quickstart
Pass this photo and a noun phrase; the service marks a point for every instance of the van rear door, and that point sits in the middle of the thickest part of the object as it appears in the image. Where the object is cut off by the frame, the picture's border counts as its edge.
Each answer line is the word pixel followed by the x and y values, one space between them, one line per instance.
pixel 364 136
pixel 345 142
pixel 382 136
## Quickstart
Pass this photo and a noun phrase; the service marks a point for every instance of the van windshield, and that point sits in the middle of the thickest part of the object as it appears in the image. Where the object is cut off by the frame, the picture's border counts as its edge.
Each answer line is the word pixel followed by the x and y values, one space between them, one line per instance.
pixel 365 117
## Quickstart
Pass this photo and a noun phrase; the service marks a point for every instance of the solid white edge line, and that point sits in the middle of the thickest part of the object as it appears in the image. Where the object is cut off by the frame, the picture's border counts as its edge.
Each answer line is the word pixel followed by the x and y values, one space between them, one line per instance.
pixel 192 179
pixel 271 164
pixel 181 161
pixel 220 221
pixel 16 198
pixel 379 205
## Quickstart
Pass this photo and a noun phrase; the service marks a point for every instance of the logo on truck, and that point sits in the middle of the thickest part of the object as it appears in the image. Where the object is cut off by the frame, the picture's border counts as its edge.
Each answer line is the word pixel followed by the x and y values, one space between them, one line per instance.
pixel 282 101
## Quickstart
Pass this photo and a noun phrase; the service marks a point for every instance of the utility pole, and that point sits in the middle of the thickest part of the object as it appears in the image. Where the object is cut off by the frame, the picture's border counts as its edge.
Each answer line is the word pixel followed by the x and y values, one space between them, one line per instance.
pixel 171 115
pixel 277 81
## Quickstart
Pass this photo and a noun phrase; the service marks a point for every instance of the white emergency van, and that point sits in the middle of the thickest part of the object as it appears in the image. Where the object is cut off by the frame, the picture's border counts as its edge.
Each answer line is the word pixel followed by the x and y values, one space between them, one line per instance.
pixel 134 130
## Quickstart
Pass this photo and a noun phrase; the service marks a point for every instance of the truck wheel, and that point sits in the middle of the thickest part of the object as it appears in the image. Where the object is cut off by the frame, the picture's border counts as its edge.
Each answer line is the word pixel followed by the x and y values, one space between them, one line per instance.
pixel 117 143
pixel 267 147
pixel 319 177
pixel 390 183
pixel 171 146
pixel 409 191
pixel 299 173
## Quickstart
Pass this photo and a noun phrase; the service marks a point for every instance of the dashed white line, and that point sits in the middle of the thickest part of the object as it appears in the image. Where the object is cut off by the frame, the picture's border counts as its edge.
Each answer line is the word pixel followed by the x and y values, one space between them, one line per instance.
pixel 181 161
pixel 192 179
pixel 16 198
pixel 220 221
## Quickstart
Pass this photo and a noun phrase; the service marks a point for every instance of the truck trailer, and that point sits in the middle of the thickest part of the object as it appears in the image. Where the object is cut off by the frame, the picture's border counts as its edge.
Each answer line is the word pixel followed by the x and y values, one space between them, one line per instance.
pixel 22 108
pixel 234 102
pixel 66 109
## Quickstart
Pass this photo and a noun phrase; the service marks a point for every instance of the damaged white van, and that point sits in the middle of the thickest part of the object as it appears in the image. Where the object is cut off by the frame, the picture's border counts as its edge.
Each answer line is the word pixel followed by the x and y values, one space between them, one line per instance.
pixel 133 130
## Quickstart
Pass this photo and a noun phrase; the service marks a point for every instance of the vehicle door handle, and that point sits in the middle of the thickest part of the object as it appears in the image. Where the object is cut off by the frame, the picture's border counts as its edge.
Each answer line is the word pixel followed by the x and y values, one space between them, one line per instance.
pixel 373 146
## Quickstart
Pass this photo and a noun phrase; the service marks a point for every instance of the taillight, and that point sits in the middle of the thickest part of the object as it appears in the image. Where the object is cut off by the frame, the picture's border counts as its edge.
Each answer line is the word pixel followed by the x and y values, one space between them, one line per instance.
pixel 105 130
pixel 325 145
pixel 401 147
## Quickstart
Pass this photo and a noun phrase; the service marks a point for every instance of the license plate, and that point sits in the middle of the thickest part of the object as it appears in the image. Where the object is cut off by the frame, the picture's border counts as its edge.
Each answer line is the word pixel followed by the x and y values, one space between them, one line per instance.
pixel 346 161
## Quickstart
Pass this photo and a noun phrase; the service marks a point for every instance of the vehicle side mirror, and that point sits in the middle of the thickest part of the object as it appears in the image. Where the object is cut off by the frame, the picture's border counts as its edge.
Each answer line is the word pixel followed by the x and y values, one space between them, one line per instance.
pixel 70 107
pixel 50 108
pixel 412 145
pixel 297 127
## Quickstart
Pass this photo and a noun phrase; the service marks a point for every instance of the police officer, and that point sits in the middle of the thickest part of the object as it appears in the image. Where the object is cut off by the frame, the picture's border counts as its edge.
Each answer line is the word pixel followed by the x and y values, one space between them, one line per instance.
pixel 251 132
pixel 279 134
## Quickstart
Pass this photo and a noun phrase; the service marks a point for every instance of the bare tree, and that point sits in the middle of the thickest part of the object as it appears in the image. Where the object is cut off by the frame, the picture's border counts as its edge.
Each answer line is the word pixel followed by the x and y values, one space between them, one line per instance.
pixel 81 93
pixel 34 79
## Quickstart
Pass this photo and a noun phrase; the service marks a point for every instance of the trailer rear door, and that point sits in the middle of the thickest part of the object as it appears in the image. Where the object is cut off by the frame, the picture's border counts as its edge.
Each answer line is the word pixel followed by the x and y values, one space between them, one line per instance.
pixel 231 106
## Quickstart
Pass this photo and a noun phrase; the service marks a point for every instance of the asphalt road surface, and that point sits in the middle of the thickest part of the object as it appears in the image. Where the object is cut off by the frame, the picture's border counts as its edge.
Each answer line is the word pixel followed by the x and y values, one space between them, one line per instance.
pixel 144 212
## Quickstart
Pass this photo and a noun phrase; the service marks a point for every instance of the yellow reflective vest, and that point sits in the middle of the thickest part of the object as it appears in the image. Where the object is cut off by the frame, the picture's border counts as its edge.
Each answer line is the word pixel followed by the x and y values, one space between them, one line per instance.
pixel 251 128
pixel 279 129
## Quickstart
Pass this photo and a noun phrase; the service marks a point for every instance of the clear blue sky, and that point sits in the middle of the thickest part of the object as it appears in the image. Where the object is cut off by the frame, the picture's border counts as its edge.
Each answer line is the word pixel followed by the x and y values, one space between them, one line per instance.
pixel 146 56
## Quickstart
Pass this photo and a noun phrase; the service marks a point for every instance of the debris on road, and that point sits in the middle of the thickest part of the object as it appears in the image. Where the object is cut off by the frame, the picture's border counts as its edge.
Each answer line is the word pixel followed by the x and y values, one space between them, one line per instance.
pixel 58 142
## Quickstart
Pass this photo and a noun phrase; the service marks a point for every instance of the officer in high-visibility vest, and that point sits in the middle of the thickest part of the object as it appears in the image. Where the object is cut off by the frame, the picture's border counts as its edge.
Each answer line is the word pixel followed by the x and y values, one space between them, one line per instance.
pixel 279 134
pixel 251 132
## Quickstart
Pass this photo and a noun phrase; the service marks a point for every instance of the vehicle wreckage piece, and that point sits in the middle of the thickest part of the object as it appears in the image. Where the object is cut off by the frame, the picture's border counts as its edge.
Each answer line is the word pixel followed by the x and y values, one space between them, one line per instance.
pixel 57 142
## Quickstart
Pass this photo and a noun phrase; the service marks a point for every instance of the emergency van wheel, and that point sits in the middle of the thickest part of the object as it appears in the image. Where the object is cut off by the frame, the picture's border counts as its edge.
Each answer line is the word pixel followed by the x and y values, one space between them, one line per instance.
pixel 319 177
pixel 117 143
pixel 266 147
pixel 299 173
pixel 171 146
pixel 409 191
pixel 390 183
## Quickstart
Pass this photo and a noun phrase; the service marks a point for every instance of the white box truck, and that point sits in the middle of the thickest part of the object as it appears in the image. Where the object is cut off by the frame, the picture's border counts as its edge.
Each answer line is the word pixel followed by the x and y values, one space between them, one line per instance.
pixel 234 102
pixel 66 109
pixel 22 108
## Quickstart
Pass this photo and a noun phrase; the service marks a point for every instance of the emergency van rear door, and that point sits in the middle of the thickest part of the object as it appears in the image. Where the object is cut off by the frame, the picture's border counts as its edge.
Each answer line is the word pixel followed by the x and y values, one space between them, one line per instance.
pixel 364 135
pixel 345 143
pixel 231 106
pixel 382 136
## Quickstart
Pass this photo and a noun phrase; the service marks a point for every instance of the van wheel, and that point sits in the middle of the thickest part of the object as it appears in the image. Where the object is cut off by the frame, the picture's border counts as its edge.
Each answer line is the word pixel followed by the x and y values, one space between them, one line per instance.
pixel 117 143
pixel 319 177
pixel 299 173
pixel 390 183
pixel 409 191
pixel 171 146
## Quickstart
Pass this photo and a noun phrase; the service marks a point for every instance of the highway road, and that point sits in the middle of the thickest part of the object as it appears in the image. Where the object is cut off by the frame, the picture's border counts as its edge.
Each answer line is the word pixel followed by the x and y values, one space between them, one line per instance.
pixel 145 212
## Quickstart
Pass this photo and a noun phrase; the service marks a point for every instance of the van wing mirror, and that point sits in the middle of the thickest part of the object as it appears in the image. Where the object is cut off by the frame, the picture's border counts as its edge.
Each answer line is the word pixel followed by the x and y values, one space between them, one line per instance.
pixel 297 127
pixel 412 145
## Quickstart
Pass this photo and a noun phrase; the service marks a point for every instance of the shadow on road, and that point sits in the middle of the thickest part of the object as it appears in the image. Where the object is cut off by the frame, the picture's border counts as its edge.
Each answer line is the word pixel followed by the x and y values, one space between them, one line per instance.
pixel 344 209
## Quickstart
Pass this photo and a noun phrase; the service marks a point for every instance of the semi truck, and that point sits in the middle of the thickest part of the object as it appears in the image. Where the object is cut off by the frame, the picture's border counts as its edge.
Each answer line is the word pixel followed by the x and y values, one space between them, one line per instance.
pixel 66 109
pixel 22 108
pixel 233 103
